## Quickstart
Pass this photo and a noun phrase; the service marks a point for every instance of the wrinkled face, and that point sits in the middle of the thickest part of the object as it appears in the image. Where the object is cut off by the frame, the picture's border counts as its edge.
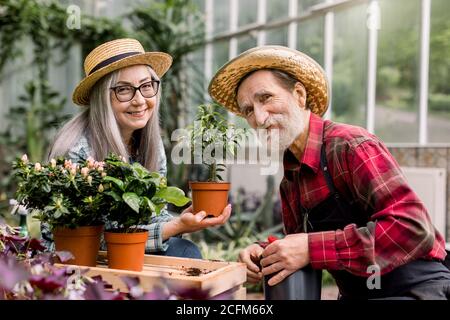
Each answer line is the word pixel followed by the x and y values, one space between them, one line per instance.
pixel 266 104
pixel 133 114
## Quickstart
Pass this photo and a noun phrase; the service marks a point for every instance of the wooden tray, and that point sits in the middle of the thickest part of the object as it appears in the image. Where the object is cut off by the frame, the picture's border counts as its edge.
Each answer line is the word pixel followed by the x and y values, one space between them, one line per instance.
pixel 216 276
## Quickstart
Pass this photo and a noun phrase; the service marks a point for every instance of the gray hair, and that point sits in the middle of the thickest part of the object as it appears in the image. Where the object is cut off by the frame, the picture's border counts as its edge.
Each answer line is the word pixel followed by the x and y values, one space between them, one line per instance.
pixel 98 123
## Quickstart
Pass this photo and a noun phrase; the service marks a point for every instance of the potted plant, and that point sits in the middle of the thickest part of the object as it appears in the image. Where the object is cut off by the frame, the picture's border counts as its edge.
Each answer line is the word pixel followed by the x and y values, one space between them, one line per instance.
pixel 135 194
pixel 66 197
pixel 212 139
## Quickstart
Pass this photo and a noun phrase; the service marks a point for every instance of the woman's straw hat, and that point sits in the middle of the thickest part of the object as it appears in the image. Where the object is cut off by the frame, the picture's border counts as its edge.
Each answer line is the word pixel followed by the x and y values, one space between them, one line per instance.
pixel 223 86
pixel 114 55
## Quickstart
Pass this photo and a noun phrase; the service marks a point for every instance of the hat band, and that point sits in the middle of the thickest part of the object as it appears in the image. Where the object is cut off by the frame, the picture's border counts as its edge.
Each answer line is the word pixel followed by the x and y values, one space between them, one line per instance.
pixel 108 61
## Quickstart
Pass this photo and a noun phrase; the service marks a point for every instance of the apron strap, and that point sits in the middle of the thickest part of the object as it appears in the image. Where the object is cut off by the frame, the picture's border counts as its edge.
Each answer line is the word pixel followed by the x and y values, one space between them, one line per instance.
pixel 345 209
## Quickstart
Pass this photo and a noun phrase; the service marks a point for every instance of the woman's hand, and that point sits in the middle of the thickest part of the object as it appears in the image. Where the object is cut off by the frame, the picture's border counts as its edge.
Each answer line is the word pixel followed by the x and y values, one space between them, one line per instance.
pixel 251 257
pixel 190 222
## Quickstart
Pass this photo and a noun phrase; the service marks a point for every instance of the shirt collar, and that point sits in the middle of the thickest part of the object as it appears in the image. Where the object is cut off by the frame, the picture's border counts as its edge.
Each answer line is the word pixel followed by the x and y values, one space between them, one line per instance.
pixel 311 156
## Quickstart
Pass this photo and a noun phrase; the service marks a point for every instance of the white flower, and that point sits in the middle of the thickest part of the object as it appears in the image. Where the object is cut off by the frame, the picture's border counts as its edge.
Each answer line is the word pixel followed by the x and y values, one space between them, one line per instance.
pixel 37 166
pixel 22 210
pixel 89 179
pixel 53 163
pixel 24 158
pixel 136 291
pixel 19 209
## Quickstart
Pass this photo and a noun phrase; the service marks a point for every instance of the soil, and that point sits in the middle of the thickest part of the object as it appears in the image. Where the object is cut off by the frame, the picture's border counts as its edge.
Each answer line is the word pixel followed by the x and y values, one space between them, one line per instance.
pixel 194 272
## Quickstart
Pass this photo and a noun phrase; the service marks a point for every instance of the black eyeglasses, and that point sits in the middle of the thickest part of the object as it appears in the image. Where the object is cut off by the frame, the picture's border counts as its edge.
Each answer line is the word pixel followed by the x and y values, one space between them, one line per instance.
pixel 126 93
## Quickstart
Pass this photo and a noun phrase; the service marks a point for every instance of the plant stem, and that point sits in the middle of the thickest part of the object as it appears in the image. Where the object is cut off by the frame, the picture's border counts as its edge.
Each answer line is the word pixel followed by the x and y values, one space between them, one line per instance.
pixel 213 172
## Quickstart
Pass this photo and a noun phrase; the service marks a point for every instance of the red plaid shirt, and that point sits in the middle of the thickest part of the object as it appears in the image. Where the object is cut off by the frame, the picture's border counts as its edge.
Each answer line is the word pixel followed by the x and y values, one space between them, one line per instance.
pixel 399 230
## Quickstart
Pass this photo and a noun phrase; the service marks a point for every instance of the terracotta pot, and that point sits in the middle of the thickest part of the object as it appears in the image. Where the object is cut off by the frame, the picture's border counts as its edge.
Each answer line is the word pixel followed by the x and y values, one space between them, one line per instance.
pixel 82 242
pixel 126 250
pixel 211 197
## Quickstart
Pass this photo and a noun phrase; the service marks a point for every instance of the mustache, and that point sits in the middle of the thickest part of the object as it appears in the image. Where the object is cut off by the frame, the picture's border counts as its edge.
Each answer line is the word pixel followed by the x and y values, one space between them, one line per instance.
pixel 270 121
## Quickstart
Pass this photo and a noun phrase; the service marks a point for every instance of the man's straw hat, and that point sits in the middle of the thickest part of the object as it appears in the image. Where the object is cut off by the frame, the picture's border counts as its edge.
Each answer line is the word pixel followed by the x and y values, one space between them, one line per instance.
pixel 223 86
pixel 114 55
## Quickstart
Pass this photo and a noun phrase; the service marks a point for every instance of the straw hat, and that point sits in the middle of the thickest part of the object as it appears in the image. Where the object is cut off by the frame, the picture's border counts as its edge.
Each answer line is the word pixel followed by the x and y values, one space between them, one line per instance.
pixel 223 86
pixel 114 55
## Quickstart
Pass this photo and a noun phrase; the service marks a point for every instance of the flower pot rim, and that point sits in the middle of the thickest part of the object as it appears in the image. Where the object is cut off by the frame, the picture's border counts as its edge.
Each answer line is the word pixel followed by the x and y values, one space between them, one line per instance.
pixel 82 230
pixel 121 231
pixel 81 226
pixel 212 182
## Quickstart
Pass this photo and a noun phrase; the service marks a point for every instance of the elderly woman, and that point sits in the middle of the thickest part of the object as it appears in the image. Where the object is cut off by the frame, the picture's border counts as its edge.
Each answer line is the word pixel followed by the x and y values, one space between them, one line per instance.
pixel 120 96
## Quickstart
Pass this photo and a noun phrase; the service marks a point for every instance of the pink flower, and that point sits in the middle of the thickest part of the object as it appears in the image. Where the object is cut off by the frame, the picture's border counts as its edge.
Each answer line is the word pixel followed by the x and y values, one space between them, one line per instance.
pixel 84 171
pixel 24 158
pixel 68 164
pixel 90 162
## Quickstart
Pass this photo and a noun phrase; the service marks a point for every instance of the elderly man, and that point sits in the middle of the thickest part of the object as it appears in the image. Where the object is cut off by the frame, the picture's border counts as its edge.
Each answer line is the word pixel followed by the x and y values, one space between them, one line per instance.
pixel 346 205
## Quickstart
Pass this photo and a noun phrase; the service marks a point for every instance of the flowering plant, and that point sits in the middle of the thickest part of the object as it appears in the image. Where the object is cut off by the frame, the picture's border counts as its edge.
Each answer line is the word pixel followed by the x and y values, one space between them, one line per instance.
pixel 61 193
pixel 64 194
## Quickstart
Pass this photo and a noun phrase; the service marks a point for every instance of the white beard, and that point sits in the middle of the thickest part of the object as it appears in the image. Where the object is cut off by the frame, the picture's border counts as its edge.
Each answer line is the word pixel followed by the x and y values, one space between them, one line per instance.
pixel 291 128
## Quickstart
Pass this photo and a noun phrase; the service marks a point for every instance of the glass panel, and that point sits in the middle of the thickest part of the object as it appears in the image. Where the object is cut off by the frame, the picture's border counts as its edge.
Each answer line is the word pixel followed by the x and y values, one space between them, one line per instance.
pixel 248 12
pixel 278 36
pixel 277 9
pixel 350 66
pixel 439 81
pixel 200 4
pixel 310 38
pixel 246 42
pixel 396 116
pixel 304 5
pixel 220 54
pixel 221 16
pixel 196 76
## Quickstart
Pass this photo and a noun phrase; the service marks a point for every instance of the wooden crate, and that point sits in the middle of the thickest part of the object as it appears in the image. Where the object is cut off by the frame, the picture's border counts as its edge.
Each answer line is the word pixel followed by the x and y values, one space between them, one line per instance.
pixel 216 276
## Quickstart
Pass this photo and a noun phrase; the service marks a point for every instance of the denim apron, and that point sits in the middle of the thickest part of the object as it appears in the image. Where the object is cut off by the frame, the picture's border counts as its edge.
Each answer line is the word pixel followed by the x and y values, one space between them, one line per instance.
pixel 418 279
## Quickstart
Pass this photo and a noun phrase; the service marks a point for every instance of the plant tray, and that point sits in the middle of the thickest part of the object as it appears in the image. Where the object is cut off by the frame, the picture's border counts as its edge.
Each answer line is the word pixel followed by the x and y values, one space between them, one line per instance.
pixel 218 277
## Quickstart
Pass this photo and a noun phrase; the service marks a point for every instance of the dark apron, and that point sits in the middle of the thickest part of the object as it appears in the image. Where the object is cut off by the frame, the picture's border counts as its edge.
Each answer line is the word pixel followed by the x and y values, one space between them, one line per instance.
pixel 405 281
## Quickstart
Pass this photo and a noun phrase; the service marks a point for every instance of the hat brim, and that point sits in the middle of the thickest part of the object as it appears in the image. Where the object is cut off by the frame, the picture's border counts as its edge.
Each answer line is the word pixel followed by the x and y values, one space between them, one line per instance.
pixel 222 87
pixel 160 62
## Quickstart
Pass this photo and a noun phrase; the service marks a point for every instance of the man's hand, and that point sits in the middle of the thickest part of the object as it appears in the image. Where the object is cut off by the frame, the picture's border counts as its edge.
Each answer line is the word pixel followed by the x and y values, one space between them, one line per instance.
pixel 285 256
pixel 191 222
pixel 251 257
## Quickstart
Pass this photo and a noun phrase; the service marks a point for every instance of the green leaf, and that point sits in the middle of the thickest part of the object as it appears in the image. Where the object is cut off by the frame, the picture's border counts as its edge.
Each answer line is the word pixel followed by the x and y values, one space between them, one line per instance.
pixel 132 200
pixel 173 195
pixel 117 182
pixel 114 195
pixel 57 214
pixel 140 171
pixel 150 204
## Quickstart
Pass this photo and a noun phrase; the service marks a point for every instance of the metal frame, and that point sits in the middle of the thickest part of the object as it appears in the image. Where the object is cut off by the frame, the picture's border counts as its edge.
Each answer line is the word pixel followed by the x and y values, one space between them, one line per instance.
pixel 424 69
pixel 327 10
